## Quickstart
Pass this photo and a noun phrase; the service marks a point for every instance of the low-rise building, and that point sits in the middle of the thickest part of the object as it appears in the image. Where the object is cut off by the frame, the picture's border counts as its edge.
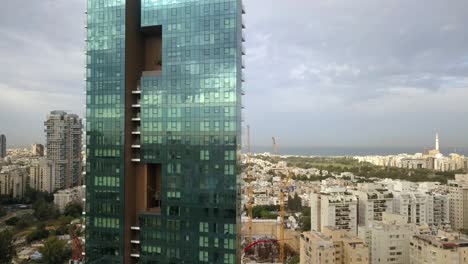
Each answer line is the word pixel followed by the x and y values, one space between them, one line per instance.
pixel 63 197
pixel 316 248
pixel 349 248
pixel 13 181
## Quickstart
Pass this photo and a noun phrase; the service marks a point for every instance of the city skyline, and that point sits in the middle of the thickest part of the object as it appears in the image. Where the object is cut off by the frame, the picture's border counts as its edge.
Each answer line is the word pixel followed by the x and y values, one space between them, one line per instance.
pixel 325 88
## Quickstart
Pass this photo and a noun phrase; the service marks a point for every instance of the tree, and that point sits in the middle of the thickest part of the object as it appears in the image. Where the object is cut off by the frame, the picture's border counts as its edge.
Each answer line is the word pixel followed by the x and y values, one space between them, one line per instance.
pixel 12 221
pixel 295 204
pixel 44 210
pixel 294 260
pixel 7 249
pixel 53 251
pixel 2 212
pixel 39 233
pixel 73 209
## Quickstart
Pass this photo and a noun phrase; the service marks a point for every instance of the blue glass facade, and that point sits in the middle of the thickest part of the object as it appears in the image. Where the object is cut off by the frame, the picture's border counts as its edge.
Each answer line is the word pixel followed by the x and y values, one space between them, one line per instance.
pixel 184 134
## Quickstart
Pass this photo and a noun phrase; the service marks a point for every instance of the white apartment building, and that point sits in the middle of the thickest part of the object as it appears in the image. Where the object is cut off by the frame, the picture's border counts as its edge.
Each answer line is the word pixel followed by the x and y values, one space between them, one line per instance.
pixel 458 195
pixel 423 208
pixel 444 248
pixel 42 175
pixel 389 239
pixel 334 207
pixel 374 199
pixel 13 181
pixel 63 197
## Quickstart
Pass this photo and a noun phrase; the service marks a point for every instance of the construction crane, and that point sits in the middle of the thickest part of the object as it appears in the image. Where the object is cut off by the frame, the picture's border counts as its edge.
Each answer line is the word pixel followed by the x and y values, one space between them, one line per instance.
pixel 77 245
pixel 249 179
pixel 284 185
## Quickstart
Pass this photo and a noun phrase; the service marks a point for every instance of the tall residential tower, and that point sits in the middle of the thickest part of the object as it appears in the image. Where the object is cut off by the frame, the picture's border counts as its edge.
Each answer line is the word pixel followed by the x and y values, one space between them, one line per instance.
pixel 63 136
pixel 163 133
pixel 2 146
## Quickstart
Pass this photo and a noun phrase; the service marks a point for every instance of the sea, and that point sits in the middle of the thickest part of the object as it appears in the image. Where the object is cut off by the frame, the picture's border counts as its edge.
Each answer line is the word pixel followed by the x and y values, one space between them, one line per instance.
pixel 353 151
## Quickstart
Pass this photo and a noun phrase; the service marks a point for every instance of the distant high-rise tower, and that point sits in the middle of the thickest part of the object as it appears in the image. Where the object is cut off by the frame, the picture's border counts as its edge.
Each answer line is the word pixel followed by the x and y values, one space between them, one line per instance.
pixel 63 145
pixel 437 142
pixel 37 149
pixel 163 125
pixel 2 146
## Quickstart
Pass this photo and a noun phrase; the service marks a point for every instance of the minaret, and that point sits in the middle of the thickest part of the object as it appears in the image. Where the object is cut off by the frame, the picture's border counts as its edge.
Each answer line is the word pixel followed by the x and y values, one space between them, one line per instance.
pixel 437 142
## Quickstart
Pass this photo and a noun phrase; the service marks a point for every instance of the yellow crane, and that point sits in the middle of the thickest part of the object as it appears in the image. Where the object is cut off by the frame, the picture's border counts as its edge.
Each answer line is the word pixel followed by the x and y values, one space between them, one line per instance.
pixel 284 186
pixel 249 179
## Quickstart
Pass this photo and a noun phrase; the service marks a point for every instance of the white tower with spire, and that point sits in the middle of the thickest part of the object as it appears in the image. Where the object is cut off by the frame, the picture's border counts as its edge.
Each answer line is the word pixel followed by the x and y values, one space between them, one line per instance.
pixel 437 142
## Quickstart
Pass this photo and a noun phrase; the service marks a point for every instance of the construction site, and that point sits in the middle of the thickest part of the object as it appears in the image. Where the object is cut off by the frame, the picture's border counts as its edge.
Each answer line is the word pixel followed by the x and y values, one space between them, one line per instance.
pixel 266 240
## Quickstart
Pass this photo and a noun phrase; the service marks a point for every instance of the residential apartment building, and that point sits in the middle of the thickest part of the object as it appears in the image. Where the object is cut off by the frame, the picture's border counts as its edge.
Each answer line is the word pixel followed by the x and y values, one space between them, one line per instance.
pixel 316 248
pixel 333 245
pixel 374 199
pixel 349 249
pixel 164 88
pixel 3 146
pixel 42 175
pixel 64 197
pixel 445 248
pixel 389 239
pixel 63 135
pixel 458 195
pixel 335 207
pixel 13 181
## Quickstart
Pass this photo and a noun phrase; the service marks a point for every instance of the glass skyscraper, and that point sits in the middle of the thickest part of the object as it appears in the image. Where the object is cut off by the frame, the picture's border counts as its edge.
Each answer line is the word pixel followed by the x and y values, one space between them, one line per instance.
pixel 163 137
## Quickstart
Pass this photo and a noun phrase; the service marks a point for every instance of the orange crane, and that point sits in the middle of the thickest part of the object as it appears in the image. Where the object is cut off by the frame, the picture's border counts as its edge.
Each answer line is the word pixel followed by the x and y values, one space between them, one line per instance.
pixel 284 185
pixel 249 179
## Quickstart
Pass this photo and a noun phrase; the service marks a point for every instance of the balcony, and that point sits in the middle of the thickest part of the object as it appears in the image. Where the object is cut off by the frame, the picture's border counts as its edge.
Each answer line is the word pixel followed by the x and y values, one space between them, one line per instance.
pixel 243 49
pixel 137 104
pixel 243 36
pixel 137 117
pixel 243 22
pixel 155 73
pixel 137 90
pixel 137 131
pixel 243 8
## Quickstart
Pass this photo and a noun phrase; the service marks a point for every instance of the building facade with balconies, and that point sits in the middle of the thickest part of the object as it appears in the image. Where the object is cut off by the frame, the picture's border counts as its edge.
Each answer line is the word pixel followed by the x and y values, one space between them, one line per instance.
pixel 63 144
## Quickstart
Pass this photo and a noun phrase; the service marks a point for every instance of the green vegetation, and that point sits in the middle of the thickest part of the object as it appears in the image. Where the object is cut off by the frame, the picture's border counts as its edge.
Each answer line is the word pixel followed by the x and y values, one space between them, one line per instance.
pixel 348 164
pixel 54 251
pixel 305 219
pixel 12 221
pixel 294 260
pixel 30 196
pixel 7 249
pixel 45 210
pixel 265 211
pixel 295 203
pixel 73 209
pixel 3 212
pixel 39 233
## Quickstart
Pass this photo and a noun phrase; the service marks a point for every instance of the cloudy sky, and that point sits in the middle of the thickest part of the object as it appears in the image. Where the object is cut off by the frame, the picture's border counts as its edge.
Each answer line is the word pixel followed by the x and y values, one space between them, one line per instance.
pixel 319 73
